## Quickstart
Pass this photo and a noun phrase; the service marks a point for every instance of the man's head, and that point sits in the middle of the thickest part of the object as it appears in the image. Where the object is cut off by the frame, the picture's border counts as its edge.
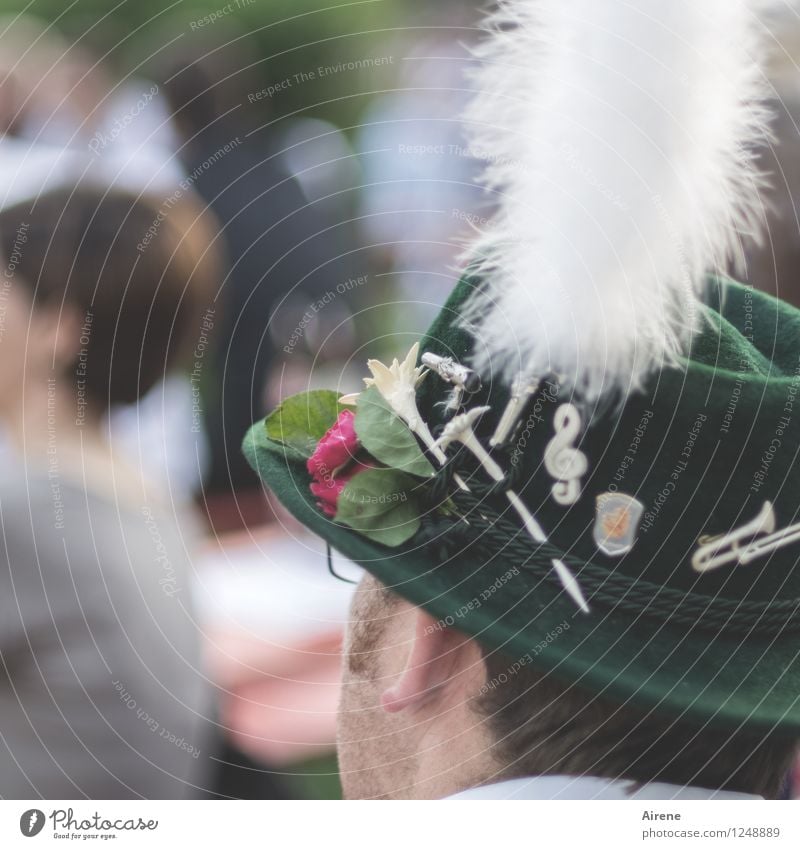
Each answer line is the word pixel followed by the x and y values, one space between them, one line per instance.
pixel 427 712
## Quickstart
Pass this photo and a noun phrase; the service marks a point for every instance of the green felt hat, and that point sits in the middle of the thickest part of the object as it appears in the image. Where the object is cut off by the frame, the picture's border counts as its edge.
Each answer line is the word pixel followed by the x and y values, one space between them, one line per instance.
pixel 705 449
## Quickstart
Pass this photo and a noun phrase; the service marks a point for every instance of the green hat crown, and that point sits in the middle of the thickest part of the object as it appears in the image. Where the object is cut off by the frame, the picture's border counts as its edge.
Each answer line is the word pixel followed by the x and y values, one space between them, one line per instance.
pixel 696 449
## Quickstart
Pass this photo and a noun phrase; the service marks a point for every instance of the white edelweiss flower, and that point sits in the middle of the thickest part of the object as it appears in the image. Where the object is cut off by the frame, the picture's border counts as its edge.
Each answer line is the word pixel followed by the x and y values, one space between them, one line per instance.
pixel 398 384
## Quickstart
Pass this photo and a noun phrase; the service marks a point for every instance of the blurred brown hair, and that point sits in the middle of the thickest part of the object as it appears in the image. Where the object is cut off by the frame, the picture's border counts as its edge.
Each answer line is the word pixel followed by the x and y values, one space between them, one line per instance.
pixel 139 274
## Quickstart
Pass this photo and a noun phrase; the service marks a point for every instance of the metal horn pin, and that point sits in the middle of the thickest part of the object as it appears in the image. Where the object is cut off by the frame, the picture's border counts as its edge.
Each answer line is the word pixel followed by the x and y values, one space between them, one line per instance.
pixel 743 545
pixel 460 429
pixel 755 539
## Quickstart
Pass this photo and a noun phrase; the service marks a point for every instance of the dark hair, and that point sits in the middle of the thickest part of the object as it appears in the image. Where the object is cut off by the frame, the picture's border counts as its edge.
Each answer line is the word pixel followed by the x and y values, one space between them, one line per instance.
pixel 138 275
pixel 543 725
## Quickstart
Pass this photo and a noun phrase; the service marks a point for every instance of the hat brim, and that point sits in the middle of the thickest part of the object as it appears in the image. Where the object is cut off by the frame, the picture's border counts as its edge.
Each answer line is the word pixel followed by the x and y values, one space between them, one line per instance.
pixel 690 674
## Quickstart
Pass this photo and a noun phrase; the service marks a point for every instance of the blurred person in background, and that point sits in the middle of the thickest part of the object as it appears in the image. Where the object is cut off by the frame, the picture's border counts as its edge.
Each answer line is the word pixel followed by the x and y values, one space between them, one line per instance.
pixel 282 247
pixel 103 694
pixel 58 97
pixel 62 114
pixel 51 90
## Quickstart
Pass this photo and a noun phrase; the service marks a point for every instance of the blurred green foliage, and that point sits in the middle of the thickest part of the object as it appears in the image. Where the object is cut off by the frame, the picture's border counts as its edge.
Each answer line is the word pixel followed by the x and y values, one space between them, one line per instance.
pixel 278 38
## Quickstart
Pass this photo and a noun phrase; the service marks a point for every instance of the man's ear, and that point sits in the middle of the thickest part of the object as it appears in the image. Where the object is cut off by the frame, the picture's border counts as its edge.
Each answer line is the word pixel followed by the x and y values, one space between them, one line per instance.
pixel 438 655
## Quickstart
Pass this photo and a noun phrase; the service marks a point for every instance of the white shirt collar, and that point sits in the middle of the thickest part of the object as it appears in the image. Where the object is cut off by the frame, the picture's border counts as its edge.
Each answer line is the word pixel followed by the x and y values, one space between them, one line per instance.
pixel 546 787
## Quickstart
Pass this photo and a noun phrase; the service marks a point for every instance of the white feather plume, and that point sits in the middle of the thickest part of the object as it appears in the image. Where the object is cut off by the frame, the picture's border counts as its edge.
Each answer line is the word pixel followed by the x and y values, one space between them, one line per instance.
pixel 618 139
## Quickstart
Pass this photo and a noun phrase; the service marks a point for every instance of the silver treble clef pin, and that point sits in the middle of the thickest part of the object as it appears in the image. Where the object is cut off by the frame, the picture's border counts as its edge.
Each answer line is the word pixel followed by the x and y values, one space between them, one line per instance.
pixel 562 460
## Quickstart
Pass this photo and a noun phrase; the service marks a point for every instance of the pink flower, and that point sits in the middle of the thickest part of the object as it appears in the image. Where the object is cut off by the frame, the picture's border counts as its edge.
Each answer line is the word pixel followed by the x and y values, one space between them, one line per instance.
pixel 328 491
pixel 333 463
pixel 336 449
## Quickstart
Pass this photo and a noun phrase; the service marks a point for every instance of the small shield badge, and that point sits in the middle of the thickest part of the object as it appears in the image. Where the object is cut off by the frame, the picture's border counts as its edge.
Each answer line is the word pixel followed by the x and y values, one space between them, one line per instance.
pixel 616 522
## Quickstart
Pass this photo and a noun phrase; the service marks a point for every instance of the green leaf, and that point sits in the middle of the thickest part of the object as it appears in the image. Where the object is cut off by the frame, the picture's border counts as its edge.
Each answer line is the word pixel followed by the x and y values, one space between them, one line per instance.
pixel 380 504
pixel 302 420
pixel 387 437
